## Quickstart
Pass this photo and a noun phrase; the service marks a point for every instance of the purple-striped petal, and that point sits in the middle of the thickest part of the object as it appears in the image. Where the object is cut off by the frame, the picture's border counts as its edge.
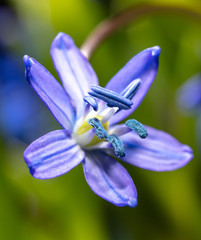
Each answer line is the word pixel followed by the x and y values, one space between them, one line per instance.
pixel 108 179
pixel 50 91
pixel 143 66
pixel 53 154
pixel 73 69
pixel 158 152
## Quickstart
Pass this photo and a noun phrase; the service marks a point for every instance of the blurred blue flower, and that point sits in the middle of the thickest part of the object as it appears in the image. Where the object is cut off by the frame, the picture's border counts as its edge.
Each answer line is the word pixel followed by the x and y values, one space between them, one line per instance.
pixel 91 134
pixel 188 99
pixel 19 106
pixel 189 95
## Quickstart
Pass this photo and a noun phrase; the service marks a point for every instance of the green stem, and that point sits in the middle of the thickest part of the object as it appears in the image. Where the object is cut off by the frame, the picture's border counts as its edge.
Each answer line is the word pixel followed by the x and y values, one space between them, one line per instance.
pixel 109 26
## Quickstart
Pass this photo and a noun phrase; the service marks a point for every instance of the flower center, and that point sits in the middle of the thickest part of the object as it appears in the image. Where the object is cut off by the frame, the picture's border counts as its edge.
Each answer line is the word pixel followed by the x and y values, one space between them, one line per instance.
pixel 88 125
pixel 93 127
pixel 101 133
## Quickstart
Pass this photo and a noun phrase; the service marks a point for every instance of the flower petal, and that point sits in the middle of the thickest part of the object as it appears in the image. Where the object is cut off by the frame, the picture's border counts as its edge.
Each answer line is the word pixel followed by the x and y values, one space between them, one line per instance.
pixel 50 91
pixel 189 95
pixel 108 179
pixel 144 66
pixel 53 154
pixel 158 152
pixel 73 68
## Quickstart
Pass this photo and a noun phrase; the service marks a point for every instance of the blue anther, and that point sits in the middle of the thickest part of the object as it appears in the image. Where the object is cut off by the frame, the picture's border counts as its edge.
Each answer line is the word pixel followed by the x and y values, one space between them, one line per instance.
pixel 111 94
pixel 92 102
pixel 117 144
pixel 112 98
pixel 131 89
pixel 137 127
pixel 96 124
pixel 110 102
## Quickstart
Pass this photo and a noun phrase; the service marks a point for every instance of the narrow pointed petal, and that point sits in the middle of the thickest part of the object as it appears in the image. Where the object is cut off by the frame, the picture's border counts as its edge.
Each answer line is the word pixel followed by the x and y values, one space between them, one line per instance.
pixel 109 180
pixel 50 91
pixel 144 66
pixel 158 152
pixel 53 154
pixel 73 69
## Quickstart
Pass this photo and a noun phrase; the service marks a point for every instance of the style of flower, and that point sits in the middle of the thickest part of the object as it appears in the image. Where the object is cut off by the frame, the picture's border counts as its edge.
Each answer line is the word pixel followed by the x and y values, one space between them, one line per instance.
pixel 89 115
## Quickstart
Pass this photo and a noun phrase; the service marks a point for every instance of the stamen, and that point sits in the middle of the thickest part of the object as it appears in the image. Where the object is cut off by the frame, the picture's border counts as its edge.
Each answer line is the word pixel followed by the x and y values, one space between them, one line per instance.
pixel 117 144
pixel 113 99
pixel 96 124
pixel 92 102
pixel 131 89
pixel 137 127
pixel 110 102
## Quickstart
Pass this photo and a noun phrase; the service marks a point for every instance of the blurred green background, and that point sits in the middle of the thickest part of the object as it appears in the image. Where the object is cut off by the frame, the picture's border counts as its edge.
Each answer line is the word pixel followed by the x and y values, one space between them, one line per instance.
pixel 169 204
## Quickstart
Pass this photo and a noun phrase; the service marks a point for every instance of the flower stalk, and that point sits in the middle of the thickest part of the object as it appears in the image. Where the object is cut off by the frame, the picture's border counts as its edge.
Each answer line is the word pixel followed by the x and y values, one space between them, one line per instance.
pixel 111 25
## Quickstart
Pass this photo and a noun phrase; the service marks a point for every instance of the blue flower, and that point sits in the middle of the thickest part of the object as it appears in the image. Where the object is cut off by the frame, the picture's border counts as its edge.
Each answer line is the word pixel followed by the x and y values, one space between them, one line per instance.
pixel 188 99
pixel 90 114
pixel 19 105
pixel 189 95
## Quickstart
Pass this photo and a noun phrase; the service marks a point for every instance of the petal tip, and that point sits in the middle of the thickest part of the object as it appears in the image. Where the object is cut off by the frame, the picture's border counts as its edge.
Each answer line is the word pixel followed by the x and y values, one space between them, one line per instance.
pixel 27 61
pixel 132 202
pixel 156 51
pixel 25 58
pixel 62 40
pixel 189 152
pixel 60 34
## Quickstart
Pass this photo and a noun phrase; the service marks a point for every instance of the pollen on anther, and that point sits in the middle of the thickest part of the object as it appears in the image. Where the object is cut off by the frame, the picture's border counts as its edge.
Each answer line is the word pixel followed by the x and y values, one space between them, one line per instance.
pixel 117 144
pixel 112 98
pixel 137 127
pixel 99 130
